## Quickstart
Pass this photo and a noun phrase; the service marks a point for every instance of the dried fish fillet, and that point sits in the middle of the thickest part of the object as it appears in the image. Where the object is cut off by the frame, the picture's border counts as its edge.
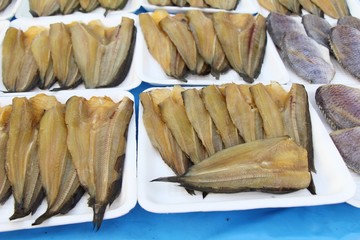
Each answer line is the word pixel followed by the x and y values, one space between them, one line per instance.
pixel 276 165
pixel 97 143
pixel 5 187
pixel 40 8
pixel 340 105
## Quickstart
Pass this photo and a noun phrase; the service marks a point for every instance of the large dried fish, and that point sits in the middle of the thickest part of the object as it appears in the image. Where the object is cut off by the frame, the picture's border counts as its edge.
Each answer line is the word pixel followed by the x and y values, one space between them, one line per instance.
pixel 5 187
pixel 215 103
pixel 221 4
pixel 307 59
pixel 345 42
pixel 317 28
pixel 276 165
pixel 58 175
pixel 207 43
pixel 106 61
pixel 340 105
pixel 97 142
pixel 40 8
pixel 333 8
pixel 347 142
pixel 19 68
pixel 62 54
pixel 160 46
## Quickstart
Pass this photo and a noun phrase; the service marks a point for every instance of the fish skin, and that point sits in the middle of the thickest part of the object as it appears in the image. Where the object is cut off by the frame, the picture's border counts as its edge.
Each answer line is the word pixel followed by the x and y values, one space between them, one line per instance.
pixel 276 165
pixel 293 5
pixel 347 142
pixel 349 21
pixel 40 8
pixel 278 25
pixel 333 8
pixel 318 29
pixel 340 105
pixel 344 41
pixel 309 6
pixel 5 187
pixel 273 6
pixel 307 59
pixel 215 103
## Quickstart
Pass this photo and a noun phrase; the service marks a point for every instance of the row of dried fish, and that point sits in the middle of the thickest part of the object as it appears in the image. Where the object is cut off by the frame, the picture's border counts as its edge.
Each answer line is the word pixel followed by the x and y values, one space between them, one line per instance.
pixel 69 54
pixel 202 43
pixel 340 106
pixel 61 151
pixel 333 8
pixel 4 4
pixel 222 138
pixel 220 4
pixel 40 8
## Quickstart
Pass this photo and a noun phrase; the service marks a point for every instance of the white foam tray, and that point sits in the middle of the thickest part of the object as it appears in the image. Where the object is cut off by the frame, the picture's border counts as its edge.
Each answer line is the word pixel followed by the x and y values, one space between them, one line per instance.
pixel 113 19
pixel 355 200
pixel 81 213
pixel 24 10
pixel 10 10
pixel 333 181
pixel 244 6
pixel 150 71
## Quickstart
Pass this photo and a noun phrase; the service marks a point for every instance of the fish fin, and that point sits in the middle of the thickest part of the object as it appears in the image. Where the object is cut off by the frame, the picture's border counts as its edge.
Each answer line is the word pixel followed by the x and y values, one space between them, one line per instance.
pixel 215 73
pixel 37 201
pixel 72 201
pixel 99 212
pixel 204 194
pixel 115 187
pixel 311 187
pixel 174 179
pixel 6 196
pixel 190 191
pixel 48 214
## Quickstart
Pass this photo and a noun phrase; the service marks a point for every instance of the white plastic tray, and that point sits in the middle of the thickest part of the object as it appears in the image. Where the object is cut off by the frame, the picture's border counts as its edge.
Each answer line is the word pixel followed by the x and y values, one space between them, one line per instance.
pixel 24 9
pixel 130 82
pixel 10 10
pixel 355 200
pixel 81 213
pixel 149 70
pixel 244 6
pixel 333 181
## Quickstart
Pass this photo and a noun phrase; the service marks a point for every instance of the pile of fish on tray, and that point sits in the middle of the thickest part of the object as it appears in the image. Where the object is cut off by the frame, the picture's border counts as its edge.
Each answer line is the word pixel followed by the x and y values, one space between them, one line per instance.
pixel 4 4
pixel 40 8
pixel 232 138
pixel 69 54
pixel 200 43
pixel 340 106
pixel 61 151
pixel 333 8
pixel 307 47
pixel 223 4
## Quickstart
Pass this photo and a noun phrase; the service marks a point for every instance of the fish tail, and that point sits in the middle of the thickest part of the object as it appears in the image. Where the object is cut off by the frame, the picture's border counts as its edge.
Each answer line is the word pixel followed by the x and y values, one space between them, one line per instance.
pixel 99 211
pixel 174 179
pixel 19 211
pixel 48 214
pixel 215 73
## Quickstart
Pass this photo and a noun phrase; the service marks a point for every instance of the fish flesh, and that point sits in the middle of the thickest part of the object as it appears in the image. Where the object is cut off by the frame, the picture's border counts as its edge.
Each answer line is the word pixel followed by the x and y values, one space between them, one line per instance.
pixel 161 137
pixel 221 4
pixel 347 142
pixel 96 140
pixel 160 46
pixel 276 165
pixel 88 5
pixel 207 43
pixel 40 48
pixel 4 4
pixel 306 58
pixel 349 21
pixel 273 6
pixel 309 6
pixel 201 121
pixel 318 29
pixel 293 5
pixel 104 61
pixel 215 103
pixel 19 68
pixel 58 175
pixel 65 68
pixel 345 42
pixel 113 4
pixel 244 114
pixel 5 187
pixel 340 105
pixel 278 25
pixel 333 8
pixel 39 8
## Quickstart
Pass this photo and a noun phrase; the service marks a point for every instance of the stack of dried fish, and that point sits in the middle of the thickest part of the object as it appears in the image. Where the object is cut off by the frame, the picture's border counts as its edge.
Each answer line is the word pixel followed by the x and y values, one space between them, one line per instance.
pixel 68 54
pixel 220 4
pixel 307 58
pixel 332 8
pixel 199 43
pixel 87 153
pixel 40 8
pixel 340 106
pixel 224 139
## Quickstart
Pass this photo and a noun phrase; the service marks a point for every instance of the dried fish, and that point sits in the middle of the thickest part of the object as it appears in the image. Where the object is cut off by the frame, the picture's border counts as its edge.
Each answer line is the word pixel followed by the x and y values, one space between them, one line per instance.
pixel 333 8
pixel 5 187
pixel 292 5
pixel 317 28
pixel 113 4
pixel 88 5
pixel 68 6
pixel 273 6
pixel 40 8
pixel 349 21
pixel 309 6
